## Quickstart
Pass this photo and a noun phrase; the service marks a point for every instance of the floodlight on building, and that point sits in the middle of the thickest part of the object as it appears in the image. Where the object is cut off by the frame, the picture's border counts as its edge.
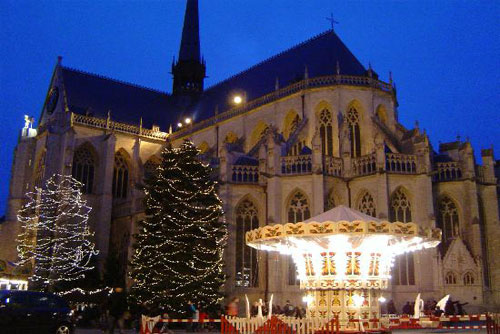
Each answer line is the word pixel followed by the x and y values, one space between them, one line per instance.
pixel 187 120
pixel 179 125
pixel 237 99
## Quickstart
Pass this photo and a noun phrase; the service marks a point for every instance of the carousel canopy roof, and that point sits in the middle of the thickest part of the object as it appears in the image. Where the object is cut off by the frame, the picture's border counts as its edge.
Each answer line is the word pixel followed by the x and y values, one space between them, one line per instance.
pixel 339 213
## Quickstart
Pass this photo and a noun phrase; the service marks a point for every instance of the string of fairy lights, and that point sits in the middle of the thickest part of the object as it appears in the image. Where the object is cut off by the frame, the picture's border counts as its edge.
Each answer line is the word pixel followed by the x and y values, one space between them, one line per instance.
pixel 179 248
pixel 55 236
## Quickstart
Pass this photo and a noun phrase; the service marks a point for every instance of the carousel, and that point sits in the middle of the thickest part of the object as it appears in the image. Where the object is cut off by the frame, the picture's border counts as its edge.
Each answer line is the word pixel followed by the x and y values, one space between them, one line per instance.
pixel 343 259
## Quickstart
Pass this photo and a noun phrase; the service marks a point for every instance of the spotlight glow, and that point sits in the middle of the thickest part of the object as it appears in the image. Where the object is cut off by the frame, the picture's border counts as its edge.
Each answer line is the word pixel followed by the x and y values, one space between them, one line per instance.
pixel 237 99
pixel 187 120
pixel 179 125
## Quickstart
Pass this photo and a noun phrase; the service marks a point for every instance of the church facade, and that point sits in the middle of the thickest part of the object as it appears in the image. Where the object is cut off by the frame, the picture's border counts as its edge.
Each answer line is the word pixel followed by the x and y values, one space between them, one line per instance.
pixel 289 138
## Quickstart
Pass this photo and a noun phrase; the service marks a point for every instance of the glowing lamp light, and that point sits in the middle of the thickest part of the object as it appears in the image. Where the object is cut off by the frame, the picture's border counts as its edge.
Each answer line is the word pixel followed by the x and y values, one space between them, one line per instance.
pixel 179 125
pixel 382 299
pixel 187 120
pixel 358 300
pixel 237 99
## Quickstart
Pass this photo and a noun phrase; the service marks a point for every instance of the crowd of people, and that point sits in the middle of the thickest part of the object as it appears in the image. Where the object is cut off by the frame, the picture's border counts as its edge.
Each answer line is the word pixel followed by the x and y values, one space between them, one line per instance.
pixel 430 308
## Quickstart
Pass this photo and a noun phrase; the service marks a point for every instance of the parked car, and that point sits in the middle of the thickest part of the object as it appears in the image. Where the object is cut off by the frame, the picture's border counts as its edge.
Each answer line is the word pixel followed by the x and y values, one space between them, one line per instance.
pixel 30 312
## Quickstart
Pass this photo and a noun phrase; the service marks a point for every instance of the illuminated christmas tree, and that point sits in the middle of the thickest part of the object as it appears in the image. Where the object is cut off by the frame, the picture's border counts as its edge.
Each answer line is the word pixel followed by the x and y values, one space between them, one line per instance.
pixel 55 236
pixel 179 247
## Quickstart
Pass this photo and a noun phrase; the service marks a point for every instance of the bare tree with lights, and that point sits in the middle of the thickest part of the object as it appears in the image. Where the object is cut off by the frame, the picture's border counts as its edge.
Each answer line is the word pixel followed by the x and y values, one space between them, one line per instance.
pixel 180 244
pixel 55 236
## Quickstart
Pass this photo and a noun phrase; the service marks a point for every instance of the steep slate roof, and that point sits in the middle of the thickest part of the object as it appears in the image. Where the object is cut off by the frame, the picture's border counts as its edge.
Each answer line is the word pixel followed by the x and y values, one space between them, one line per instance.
pixel 320 54
pixel 93 95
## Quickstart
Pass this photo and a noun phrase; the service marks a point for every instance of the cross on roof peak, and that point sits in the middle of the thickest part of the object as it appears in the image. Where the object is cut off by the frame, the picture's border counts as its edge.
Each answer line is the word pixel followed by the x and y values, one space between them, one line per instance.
pixel 332 21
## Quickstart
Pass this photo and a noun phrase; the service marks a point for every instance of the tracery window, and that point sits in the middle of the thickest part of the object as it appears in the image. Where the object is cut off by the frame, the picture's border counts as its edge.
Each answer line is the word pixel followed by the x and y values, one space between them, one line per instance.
pixel 450 278
pixel 120 176
pixel 39 171
pixel 150 167
pixel 83 168
pixel 447 219
pixel 400 208
pixel 367 205
pixel 468 278
pixel 404 266
pixel 247 270
pixel 354 132
pixel 298 211
pixel 326 132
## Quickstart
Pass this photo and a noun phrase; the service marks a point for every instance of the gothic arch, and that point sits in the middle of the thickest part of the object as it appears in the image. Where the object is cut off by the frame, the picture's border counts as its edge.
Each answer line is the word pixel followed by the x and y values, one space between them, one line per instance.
pixel 381 113
pixel 332 199
pixel 324 122
pixel 39 169
pixel 365 203
pixel 353 117
pixel 448 217
pixel 451 278
pixel 298 206
pixel 400 205
pixel 84 166
pixel 469 278
pixel 258 132
pixel 246 218
pixel 121 174
pixel 290 123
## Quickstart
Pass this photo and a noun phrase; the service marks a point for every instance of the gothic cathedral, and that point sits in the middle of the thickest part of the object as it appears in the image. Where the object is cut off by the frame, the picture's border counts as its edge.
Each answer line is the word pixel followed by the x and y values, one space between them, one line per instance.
pixel 297 134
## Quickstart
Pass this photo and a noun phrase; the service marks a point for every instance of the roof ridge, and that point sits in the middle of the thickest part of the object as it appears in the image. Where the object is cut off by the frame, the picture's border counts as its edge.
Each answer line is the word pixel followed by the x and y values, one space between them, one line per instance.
pixel 296 46
pixel 123 82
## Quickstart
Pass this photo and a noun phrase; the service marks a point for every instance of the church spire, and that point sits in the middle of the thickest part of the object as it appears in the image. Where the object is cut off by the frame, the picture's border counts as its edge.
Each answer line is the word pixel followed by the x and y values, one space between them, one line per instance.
pixel 189 70
pixel 190 43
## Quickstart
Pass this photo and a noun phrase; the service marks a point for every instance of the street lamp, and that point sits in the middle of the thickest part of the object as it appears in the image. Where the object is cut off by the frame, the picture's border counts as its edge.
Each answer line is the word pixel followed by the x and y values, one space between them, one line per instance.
pixel 237 99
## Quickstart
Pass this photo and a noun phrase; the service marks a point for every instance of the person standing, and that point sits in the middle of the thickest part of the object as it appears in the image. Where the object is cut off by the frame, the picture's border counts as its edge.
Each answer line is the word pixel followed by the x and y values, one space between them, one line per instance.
pixel 117 305
pixel 191 313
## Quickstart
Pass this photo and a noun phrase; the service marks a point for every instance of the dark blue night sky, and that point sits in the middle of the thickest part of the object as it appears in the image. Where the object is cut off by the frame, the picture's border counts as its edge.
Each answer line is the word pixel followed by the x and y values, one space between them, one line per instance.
pixel 444 55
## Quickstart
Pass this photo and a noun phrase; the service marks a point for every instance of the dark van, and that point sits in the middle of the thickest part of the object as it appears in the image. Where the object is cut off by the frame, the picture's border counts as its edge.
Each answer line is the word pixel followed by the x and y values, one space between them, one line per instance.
pixel 33 312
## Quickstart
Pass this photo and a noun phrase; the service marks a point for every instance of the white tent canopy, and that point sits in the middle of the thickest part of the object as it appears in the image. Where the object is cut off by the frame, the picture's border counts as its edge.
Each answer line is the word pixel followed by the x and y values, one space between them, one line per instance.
pixel 339 213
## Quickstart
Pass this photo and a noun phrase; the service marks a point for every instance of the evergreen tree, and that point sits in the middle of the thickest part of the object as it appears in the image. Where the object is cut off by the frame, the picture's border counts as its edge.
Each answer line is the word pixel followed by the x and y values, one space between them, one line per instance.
pixel 55 234
pixel 180 244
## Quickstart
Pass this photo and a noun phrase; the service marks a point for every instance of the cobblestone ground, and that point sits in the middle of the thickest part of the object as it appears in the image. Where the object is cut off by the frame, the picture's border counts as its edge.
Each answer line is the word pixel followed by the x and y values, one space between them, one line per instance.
pixel 407 331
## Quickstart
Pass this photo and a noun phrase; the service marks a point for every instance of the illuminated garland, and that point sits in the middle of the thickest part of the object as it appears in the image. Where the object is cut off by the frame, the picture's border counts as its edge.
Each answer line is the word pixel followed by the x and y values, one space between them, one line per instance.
pixel 55 234
pixel 179 248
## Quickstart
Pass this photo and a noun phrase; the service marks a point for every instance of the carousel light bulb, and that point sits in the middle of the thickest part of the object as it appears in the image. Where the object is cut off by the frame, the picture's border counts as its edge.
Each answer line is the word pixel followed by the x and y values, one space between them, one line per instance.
pixel 382 299
pixel 358 300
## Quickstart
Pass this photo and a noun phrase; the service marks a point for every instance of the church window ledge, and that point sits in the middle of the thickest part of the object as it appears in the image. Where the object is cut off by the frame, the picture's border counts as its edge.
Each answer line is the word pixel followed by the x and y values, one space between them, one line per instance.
pixel 244 174
pixel 447 171
pixel 364 165
pixel 401 163
pixel 296 165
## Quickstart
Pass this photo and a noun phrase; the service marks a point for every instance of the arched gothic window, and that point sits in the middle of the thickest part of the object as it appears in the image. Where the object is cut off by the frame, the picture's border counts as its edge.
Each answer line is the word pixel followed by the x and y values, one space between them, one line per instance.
pixel 447 219
pixel 468 278
pixel 326 131
pixel 404 266
pixel 354 132
pixel 367 205
pixel 298 211
pixel 247 270
pixel 120 176
pixel 83 168
pixel 400 208
pixel 450 278
pixel 150 167
pixel 39 171
pixel 298 208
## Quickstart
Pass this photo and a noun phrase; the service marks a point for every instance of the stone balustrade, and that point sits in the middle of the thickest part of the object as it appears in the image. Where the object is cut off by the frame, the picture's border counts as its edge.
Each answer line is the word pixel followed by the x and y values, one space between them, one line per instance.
pixel 447 171
pixel 332 166
pixel 244 174
pixel 364 165
pixel 296 164
pixel 401 163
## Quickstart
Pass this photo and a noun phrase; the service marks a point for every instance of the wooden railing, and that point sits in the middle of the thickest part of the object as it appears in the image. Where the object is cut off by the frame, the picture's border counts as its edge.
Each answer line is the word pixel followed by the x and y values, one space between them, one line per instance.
pixel 401 163
pixel 296 164
pixel 245 174
pixel 332 166
pixel 364 165
pixel 447 171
